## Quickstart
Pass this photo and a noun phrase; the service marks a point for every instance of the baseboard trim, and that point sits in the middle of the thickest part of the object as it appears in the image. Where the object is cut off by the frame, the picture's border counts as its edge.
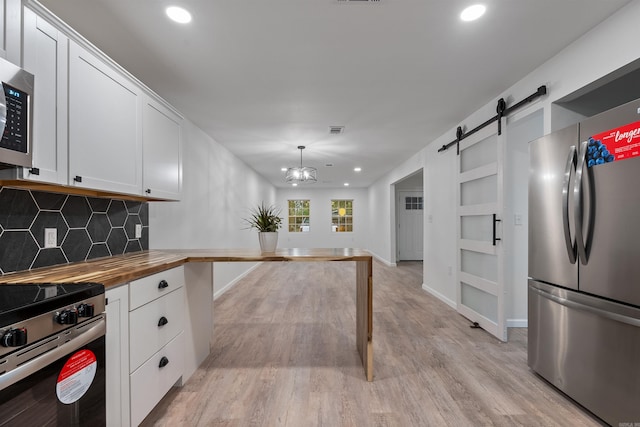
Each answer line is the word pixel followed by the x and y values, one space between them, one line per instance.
pixel 438 295
pixel 517 323
pixel 232 283
pixel 382 260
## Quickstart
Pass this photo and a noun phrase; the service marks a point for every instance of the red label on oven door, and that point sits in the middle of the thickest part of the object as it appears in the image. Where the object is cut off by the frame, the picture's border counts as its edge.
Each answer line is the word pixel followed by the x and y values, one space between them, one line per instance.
pixel 616 144
pixel 76 376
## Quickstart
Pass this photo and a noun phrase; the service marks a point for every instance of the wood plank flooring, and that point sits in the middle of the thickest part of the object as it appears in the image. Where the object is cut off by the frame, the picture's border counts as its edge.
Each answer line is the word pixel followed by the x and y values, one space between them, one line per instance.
pixel 284 354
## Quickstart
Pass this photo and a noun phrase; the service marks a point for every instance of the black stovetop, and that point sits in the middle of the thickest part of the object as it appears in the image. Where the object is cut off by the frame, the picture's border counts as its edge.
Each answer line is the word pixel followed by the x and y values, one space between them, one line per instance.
pixel 19 302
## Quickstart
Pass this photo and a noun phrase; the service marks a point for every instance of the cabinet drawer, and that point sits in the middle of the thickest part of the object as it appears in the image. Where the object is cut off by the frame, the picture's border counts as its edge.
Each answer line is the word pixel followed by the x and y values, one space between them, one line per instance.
pixel 153 325
pixel 151 382
pixel 148 288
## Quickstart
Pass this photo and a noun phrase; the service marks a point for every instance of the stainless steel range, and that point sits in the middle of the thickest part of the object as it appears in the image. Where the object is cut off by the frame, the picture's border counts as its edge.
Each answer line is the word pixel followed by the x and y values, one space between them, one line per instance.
pixel 52 354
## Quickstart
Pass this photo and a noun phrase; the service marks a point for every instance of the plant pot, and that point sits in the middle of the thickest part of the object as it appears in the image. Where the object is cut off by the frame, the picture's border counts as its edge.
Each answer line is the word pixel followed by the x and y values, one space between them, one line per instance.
pixel 268 241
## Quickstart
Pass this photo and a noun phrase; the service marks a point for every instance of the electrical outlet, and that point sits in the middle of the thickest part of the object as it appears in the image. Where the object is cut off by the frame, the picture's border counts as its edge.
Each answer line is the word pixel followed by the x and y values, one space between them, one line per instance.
pixel 50 237
pixel 138 231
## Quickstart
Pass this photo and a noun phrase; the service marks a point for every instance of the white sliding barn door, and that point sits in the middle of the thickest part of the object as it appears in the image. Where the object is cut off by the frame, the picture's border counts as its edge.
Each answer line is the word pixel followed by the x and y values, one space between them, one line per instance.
pixel 480 275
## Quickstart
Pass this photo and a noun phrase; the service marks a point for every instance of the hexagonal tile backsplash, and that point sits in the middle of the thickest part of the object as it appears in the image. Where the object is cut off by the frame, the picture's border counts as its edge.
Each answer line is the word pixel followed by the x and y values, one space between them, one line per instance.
pixel 86 228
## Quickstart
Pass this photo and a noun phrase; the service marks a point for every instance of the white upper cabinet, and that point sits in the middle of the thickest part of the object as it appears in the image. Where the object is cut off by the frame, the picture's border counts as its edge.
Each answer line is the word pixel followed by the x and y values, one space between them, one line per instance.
pixel 95 126
pixel 10 21
pixel 162 151
pixel 105 125
pixel 45 52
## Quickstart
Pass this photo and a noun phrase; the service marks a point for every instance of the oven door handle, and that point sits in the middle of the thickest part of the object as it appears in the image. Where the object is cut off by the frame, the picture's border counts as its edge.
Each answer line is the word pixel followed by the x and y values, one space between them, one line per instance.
pixel 40 362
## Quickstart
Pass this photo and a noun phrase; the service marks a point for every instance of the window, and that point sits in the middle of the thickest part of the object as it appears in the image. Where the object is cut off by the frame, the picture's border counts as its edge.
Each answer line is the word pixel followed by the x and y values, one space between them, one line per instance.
pixel 342 216
pixel 413 203
pixel 299 216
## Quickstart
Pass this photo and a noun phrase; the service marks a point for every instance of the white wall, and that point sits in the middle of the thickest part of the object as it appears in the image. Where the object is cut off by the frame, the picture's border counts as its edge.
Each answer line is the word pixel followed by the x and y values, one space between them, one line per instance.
pixel 520 131
pixel 320 234
pixel 609 46
pixel 217 192
pixel 381 241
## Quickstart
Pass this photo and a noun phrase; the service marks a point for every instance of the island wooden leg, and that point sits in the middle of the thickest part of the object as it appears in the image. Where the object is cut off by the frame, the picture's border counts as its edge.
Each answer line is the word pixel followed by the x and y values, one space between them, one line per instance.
pixel 364 315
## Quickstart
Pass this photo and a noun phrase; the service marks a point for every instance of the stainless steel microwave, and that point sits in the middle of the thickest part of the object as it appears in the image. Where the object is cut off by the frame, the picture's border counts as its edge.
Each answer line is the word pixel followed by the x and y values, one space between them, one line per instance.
pixel 16 111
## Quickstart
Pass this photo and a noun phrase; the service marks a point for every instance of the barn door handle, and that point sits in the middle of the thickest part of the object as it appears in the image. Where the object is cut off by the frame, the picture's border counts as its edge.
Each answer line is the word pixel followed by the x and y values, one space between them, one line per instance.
pixel 495 220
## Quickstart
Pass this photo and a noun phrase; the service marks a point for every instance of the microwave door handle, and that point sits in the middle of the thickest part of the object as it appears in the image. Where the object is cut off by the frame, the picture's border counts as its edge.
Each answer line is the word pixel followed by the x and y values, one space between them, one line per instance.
pixel 566 188
pixel 578 200
pixel 3 111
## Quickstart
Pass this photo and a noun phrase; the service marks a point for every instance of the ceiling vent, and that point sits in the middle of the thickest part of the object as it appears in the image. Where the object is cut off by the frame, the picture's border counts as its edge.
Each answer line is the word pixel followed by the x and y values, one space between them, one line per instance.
pixel 337 130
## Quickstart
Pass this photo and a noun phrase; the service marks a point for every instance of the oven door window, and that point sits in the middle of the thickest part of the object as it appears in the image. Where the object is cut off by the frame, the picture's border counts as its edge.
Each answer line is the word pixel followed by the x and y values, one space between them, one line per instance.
pixel 35 401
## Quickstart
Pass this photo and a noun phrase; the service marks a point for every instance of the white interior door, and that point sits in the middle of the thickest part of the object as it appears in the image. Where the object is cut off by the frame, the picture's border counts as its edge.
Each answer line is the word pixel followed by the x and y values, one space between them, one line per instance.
pixel 410 225
pixel 480 274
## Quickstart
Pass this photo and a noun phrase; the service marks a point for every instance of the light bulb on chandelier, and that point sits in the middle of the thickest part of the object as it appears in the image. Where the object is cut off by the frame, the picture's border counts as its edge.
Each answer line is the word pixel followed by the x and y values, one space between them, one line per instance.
pixel 301 174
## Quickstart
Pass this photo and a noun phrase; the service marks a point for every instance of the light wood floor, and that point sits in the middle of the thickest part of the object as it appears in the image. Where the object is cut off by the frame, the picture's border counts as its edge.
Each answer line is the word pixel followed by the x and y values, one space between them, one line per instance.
pixel 284 354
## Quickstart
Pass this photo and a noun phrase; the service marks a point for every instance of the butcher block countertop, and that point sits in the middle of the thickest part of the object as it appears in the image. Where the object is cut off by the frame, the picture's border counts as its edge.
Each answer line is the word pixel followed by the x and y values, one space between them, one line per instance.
pixel 120 269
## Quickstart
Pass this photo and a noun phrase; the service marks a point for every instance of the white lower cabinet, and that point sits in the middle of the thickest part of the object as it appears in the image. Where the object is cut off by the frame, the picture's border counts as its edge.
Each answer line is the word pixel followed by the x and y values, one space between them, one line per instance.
pixel 151 381
pixel 153 325
pixel 159 330
pixel 156 347
pixel 117 355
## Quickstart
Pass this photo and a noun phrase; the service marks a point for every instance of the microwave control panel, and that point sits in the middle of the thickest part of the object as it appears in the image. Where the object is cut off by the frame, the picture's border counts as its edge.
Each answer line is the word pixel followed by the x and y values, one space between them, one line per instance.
pixel 14 136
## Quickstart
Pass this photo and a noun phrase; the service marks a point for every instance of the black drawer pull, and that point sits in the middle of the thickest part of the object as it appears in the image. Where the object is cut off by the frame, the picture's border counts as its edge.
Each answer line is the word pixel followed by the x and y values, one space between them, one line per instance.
pixel 163 362
pixel 163 321
pixel 148 191
pixel 35 171
pixel 77 178
pixel 163 284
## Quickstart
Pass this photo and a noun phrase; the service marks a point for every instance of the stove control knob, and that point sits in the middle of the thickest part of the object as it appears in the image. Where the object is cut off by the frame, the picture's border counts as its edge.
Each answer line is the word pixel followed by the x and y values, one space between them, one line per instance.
pixel 85 310
pixel 14 337
pixel 67 317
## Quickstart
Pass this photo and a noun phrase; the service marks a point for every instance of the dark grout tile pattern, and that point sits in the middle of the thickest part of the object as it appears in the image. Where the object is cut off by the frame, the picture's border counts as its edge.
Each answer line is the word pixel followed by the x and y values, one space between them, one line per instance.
pixel 87 228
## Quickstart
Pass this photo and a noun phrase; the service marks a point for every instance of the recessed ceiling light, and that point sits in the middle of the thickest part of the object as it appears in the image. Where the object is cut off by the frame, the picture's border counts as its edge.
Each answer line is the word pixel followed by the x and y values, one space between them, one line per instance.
pixel 178 14
pixel 295 184
pixel 346 184
pixel 357 169
pixel 283 169
pixel 473 12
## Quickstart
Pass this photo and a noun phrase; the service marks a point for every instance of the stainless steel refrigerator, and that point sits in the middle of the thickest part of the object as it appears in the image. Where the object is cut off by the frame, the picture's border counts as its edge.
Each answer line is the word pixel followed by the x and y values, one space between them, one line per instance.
pixel 584 262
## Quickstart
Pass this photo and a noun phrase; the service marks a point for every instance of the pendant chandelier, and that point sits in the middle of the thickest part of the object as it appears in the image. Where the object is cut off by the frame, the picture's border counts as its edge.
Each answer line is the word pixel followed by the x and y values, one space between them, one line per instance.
pixel 301 174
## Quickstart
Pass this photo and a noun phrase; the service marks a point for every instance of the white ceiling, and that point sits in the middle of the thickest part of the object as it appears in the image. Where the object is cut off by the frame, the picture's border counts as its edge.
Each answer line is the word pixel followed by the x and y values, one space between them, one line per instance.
pixel 262 77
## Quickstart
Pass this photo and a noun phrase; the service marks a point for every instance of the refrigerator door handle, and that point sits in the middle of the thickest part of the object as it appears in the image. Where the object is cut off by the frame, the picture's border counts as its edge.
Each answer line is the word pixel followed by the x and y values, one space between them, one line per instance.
pixel 578 208
pixel 566 188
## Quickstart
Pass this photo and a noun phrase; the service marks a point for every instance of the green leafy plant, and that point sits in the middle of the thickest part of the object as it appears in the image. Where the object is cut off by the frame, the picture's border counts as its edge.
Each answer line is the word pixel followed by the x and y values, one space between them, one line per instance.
pixel 265 218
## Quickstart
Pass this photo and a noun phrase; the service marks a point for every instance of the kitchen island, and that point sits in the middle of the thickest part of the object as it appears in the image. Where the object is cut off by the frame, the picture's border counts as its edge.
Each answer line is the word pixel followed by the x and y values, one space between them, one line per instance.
pixel 118 270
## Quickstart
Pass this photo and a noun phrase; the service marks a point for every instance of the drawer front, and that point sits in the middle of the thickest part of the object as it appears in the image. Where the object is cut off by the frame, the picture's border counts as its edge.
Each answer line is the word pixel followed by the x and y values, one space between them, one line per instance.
pixel 148 288
pixel 153 325
pixel 151 382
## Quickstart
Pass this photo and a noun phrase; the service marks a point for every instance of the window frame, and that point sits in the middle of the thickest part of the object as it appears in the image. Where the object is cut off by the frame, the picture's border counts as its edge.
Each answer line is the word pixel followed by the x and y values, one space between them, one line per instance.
pixel 342 223
pixel 297 213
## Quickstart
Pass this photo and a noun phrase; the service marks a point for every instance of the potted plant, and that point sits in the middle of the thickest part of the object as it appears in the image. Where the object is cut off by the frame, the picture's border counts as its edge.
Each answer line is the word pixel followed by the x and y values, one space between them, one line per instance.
pixel 267 221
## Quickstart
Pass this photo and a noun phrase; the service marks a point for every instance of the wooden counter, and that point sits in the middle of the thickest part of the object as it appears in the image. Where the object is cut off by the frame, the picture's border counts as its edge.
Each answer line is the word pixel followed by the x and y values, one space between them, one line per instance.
pixel 117 270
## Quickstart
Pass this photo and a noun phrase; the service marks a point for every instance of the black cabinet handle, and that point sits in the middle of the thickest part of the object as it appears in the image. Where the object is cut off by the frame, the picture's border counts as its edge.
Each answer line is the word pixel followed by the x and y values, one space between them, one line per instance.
pixel 148 191
pixel 163 284
pixel 34 171
pixel 163 321
pixel 495 220
pixel 77 178
pixel 163 362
